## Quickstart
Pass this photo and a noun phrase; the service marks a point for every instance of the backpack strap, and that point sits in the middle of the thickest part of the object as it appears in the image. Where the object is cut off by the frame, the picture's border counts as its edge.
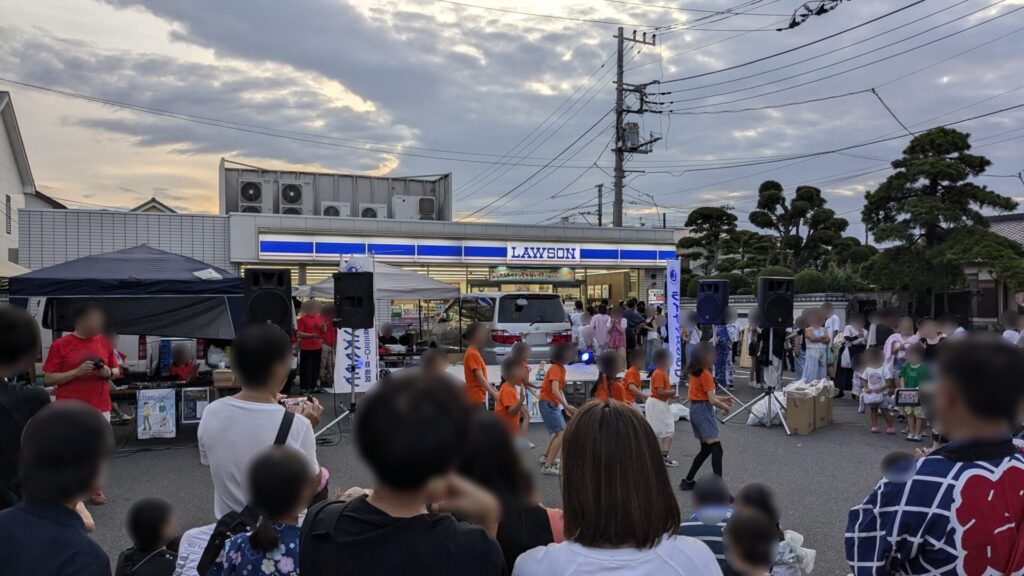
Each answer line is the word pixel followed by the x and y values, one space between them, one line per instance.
pixel 285 428
pixel 316 544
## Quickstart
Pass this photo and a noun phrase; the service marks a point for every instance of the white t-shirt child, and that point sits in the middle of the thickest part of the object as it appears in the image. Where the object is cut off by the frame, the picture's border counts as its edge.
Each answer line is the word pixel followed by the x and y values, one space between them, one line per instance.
pixel 874 382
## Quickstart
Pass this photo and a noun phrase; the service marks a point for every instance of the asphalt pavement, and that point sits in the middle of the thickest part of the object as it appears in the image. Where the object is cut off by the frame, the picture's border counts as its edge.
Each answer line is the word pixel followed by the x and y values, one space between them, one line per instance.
pixel 817 477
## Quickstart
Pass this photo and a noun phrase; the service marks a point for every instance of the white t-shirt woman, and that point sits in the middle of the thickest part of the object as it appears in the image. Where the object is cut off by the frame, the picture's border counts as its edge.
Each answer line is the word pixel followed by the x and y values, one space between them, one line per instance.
pixel 673 556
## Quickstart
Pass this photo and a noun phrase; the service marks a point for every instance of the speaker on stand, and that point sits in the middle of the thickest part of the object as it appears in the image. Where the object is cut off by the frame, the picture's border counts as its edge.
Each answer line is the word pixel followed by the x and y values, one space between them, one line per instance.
pixel 268 297
pixel 354 310
pixel 775 314
pixel 712 300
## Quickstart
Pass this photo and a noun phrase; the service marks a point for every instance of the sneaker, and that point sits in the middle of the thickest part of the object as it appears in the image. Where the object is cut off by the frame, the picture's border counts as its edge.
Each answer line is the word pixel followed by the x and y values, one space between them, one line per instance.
pixel 910 437
pixel 531 444
pixel 917 438
pixel 874 429
pixel 686 485
pixel 670 462
pixel 890 430
pixel 98 498
pixel 551 471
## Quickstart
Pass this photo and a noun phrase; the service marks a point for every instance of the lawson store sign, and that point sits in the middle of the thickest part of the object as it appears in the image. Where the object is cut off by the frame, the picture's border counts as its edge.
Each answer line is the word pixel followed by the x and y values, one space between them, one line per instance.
pixel 302 248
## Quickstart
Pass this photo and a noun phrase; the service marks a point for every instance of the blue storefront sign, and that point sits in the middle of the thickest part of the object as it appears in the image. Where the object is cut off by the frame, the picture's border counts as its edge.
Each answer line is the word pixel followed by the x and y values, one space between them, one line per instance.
pixel 305 248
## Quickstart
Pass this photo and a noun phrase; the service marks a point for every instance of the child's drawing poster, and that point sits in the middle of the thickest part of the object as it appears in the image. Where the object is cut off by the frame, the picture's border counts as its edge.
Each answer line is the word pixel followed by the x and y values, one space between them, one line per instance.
pixel 156 414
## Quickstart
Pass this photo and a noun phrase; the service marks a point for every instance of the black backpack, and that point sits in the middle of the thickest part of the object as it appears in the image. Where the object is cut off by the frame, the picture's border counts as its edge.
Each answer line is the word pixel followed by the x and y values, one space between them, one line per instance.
pixel 238 522
pixel 316 545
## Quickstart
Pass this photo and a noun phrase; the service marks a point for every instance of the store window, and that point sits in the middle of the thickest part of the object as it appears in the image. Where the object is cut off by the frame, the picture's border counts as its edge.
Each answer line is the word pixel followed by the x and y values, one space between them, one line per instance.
pixel 531 308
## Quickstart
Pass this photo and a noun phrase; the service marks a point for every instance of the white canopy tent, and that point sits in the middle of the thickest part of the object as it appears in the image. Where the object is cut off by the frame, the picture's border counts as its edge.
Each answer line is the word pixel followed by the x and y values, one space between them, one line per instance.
pixel 389 283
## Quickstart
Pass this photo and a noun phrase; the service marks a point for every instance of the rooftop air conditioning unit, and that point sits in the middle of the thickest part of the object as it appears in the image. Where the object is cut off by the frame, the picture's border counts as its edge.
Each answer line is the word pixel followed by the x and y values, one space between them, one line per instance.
pixel 295 197
pixel 414 207
pixel 378 211
pixel 335 209
pixel 255 196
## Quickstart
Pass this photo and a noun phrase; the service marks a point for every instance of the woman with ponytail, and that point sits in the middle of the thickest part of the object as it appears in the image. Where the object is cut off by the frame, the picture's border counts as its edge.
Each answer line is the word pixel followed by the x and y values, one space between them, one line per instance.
pixel 607 386
pixel 280 487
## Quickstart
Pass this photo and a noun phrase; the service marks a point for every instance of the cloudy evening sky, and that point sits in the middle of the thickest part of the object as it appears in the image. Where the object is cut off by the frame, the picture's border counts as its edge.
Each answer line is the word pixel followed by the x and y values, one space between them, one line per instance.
pixel 429 86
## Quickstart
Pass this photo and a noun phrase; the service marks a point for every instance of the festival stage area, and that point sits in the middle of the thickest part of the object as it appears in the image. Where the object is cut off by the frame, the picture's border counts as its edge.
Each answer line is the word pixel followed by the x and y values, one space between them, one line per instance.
pixel 818 477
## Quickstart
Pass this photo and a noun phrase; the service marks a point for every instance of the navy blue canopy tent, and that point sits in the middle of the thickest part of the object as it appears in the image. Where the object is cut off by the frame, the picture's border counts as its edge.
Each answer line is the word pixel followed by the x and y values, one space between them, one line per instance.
pixel 143 290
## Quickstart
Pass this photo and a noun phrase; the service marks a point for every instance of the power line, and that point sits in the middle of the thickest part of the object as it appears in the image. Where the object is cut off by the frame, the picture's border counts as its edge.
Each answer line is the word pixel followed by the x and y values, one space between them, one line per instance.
pixel 830 52
pixel 891 113
pixel 795 48
pixel 573 143
pixel 685 9
pixel 840 73
pixel 783 105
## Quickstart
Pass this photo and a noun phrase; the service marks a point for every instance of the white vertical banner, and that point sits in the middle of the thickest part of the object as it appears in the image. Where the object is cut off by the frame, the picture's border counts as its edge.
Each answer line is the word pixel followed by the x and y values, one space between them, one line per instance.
pixel 356 360
pixel 675 340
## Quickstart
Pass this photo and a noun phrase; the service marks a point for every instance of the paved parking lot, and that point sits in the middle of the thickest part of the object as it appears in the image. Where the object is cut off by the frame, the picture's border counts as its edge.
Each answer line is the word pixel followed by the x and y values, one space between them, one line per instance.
pixel 817 477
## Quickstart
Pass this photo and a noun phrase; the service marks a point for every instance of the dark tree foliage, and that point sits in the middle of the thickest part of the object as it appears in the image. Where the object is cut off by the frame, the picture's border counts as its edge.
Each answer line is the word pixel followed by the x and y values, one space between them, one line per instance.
pixel 805 227
pixel 710 228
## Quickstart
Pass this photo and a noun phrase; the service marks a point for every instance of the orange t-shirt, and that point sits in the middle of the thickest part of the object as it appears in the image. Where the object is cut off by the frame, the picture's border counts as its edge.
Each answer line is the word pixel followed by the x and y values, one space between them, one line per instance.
pixel 660 386
pixel 700 386
pixel 603 392
pixel 618 391
pixel 508 397
pixel 555 376
pixel 475 392
pixel 632 377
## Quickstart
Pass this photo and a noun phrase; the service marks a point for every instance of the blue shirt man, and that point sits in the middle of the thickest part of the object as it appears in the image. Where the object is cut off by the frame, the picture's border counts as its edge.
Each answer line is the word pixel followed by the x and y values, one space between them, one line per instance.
pixel 711 513
pixel 47 538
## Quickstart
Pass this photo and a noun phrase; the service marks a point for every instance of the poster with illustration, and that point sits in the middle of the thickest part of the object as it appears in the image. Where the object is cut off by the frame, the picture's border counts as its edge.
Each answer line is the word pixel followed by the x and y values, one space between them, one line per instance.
pixel 156 414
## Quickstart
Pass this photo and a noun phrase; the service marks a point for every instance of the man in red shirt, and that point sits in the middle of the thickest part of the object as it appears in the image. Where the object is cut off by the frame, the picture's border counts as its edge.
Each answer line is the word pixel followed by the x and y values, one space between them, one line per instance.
pixel 81 364
pixel 330 345
pixel 309 330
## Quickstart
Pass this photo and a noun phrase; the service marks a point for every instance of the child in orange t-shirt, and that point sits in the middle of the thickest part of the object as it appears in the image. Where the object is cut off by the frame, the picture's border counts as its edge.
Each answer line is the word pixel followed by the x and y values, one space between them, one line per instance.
pixel 552 401
pixel 703 420
pixel 607 385
pixel 656 409
pixel 477 385
pixel 511 400
pixel 521 351
pixel 632 388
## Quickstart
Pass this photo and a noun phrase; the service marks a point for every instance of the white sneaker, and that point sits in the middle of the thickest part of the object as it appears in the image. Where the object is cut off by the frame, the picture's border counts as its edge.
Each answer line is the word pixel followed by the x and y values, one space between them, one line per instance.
pixel 551 471
pixel 532 445
pixel 670 462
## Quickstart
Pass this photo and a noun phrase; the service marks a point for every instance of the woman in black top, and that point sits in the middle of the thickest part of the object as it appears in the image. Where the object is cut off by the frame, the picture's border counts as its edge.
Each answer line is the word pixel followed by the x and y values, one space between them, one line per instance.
pixel 492 462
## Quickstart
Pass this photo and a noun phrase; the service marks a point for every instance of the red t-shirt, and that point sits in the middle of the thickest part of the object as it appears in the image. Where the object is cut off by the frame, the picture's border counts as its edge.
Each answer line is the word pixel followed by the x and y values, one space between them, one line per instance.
pixel 68 353
pixel 310 325
pixel 330 332
pixel 181 372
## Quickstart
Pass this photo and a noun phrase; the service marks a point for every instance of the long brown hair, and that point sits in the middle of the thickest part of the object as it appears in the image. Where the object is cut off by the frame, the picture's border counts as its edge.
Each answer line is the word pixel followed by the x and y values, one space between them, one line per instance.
pixel 615 490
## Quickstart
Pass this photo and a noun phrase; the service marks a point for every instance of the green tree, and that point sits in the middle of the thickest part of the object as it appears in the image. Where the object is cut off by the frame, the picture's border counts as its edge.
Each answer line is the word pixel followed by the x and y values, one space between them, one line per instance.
pixel 931 209
pixel 929 196
pixel 805 227
pixel 747 251
pixel 710 228
pixel 809 282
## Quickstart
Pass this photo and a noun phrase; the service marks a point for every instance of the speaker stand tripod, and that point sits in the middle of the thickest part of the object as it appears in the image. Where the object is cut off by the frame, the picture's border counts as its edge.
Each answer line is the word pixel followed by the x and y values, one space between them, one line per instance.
pixel 351 387
pixel 772 380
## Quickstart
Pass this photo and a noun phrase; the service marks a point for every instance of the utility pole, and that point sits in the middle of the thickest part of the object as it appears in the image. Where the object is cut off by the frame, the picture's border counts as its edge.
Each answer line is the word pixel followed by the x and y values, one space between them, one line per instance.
pixel 600 205
pixel 622 146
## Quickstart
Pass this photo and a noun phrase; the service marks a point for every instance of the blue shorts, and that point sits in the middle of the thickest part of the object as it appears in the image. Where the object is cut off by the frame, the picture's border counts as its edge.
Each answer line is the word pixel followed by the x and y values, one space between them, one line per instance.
pixel 703 420
pixel 551 413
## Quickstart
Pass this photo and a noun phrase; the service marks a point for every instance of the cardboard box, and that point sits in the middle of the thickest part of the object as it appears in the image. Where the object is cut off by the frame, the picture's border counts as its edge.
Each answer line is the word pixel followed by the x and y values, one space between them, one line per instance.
pixel 823 408
pixel 800 415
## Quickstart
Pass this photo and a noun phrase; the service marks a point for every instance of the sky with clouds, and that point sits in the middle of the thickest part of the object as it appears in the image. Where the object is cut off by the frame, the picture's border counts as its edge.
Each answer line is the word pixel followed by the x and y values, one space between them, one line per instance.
pixel 515 106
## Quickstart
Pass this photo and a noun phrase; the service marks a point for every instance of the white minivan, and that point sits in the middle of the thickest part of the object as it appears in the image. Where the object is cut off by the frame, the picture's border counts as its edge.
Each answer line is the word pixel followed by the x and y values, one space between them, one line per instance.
pixel 539 320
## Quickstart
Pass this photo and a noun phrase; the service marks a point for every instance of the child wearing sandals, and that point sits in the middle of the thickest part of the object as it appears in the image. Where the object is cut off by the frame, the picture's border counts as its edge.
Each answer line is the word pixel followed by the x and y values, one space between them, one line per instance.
pixel 876 380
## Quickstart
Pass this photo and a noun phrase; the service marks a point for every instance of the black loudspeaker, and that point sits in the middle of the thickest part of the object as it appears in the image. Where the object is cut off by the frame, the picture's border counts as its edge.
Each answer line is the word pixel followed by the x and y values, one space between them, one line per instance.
pixel 712 298
pixel 353 299
pixel 268 297
pixel 775 302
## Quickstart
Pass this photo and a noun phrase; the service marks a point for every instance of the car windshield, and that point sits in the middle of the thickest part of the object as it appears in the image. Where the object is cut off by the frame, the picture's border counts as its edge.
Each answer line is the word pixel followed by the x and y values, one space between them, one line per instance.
pixel 537 309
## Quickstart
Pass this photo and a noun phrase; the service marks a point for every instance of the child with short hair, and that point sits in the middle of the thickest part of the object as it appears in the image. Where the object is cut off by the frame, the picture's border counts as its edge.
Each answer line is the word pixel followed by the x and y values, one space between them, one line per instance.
pixel 150 526
pixel 656 410
pixel 521 351
pixel 876 379
pixel 552 402
pixel 915 371
pixel 896 464
pixel 750 541
pixel 511 397
pixel 632 388
pixel 791 558
pixel 434 362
